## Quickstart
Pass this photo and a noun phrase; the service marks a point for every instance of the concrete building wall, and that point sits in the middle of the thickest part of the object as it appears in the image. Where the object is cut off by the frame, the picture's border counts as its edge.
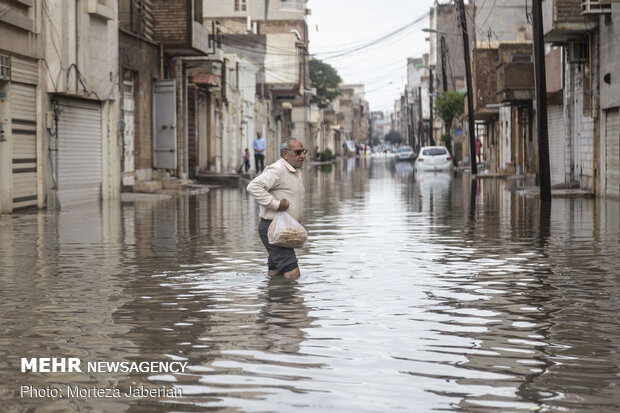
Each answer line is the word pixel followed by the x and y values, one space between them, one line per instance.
pixel 554 69
pixel 447 26
pixel 281 67
pixel 278 9
pixel 609 29
pixel 142 58
pixel 501 21
pixel 82 62
pixel 21 40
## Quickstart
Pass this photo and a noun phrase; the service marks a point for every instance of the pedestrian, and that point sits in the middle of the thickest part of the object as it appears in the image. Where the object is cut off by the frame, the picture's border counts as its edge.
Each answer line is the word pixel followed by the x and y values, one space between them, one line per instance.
pixel 280 188
pixel 246 160
pixel 344 149
pixel 478 148
pixel 259 145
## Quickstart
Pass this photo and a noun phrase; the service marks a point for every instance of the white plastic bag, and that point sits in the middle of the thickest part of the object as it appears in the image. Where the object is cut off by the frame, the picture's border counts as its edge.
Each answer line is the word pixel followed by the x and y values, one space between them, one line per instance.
pixel 285 231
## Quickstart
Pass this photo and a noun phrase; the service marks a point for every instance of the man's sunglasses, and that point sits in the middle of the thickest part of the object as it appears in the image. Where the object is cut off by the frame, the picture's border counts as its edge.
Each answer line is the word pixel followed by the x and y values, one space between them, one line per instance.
pixel 299 151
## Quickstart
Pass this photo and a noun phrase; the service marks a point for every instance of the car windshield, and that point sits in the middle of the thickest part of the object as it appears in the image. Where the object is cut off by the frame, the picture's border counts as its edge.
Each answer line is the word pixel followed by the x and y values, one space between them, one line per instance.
pixel 405 149
pixel 434 151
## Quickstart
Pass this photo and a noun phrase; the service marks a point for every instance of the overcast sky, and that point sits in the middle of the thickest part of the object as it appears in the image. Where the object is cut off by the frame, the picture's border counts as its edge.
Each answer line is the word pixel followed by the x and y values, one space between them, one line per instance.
pixel 343 24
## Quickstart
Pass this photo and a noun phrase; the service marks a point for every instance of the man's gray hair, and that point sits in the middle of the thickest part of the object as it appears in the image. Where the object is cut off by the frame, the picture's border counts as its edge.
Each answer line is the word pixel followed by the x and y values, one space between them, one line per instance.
pixel 286 145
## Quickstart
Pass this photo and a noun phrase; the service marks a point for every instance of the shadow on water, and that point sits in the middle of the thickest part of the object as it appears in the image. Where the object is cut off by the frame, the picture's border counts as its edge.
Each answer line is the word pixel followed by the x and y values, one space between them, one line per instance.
pixel 426 290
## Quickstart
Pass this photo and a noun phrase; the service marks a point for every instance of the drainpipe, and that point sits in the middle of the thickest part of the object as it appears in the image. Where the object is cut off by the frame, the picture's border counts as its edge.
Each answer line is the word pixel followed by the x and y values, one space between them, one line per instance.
pixel 181 107
pixel 161 61
pixel 56 109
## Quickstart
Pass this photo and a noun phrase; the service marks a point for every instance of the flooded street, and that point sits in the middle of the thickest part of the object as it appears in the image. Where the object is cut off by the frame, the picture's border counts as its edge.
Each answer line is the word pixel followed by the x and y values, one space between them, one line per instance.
pixel 411 298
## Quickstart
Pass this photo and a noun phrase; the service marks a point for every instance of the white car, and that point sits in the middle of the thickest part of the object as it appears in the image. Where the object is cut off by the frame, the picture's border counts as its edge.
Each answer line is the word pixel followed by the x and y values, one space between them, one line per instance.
pixel 405 153
pixel 433 158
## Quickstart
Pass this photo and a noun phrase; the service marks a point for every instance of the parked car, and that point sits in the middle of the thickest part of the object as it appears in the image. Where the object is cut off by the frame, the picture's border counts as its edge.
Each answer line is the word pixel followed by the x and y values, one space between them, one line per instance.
pixel 433 158
pixel 405 153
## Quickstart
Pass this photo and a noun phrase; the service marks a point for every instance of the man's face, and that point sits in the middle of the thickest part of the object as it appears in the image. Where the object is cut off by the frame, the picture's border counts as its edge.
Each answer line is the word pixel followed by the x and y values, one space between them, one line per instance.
pixel 295 156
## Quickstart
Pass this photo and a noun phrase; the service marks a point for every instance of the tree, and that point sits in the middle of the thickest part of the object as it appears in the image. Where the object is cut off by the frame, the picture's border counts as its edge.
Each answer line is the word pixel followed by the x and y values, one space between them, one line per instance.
pixel 326 80
pixel 393 137
pixel 448 106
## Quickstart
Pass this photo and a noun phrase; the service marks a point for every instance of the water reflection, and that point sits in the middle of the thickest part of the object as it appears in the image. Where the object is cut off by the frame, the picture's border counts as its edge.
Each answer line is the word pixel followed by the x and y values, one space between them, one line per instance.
pixel 427 290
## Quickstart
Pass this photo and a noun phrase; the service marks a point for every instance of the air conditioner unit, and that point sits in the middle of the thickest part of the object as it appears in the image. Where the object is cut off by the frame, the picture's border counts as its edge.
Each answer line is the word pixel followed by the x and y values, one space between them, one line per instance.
pixel 578 51
pixel 595 6
pixel 5 67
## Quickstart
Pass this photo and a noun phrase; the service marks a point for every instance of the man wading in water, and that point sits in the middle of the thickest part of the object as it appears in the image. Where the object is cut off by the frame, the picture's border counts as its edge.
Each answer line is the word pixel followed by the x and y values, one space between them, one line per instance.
pixel 280 188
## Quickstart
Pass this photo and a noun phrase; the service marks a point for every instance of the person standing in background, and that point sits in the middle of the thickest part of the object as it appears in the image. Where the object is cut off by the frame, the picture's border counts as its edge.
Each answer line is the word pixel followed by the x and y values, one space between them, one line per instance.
pixel 259 145
pixel 478 148
pixel 246 160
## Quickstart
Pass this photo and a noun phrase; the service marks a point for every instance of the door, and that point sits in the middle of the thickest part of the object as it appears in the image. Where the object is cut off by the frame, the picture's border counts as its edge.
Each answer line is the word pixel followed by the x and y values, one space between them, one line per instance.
pixel 192 131
pixel 79 152
pixel 555 122
pixel 576 127
pixel 24 142
pixel 164 125
pixel 612 153
pixel 203 151
pixel 129 129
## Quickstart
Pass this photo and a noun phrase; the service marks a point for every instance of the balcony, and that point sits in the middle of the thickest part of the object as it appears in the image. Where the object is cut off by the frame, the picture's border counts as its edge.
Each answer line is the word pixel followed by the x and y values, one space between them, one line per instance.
pixel 563 20
pixel 176 26
pixel 485 83
pixel 595 6
pixel 515 81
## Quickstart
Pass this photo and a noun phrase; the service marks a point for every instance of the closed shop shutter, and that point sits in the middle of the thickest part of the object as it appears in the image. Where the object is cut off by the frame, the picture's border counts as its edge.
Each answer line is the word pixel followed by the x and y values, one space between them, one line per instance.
pixel 612 157
pixel 24 138
pixel 557 144
pixel 79 152
pixel 24 70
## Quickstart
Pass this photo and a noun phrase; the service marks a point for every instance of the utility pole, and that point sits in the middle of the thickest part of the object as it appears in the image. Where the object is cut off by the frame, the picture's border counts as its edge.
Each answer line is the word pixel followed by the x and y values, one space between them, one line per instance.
pixel 444 77
pixel 470 100
pixel 541 102
pixel 420 120
pixel 431 90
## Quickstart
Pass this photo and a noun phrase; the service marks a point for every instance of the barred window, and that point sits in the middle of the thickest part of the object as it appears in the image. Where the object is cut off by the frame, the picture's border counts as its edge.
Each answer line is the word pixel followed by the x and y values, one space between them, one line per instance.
pixel 241 5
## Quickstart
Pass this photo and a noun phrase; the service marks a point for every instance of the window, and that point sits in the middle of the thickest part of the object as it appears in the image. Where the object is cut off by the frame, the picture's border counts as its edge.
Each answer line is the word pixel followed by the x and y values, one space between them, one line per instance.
pixel 434 152
pixel 578 51
pixel 198 11
pixel 294 5
pixel 241 5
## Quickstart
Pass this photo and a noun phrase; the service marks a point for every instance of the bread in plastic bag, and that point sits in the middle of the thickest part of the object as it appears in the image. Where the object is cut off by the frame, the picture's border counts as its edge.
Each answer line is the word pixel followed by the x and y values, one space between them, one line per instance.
pixel 285 231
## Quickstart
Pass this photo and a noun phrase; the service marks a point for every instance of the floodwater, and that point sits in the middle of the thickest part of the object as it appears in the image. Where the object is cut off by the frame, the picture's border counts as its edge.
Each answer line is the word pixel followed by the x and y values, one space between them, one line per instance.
pixel 414 296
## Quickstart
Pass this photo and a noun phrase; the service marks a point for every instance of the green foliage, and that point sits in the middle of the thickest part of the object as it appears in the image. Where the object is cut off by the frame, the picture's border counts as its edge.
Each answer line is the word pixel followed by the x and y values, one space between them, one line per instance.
pixel 446 140
pixel 327 155
pixel 448 106
pixel 393 137
pixel 326 80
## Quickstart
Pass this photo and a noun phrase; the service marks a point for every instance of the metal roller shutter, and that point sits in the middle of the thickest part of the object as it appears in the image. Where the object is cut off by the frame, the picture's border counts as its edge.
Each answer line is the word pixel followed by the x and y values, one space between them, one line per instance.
pixel 557 145
pixel 612 156
pixel 24 138
pixel 79 152
pixel 24 70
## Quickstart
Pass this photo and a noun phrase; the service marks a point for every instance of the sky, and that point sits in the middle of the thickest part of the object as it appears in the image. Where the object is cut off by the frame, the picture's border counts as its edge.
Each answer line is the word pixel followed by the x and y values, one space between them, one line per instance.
pixel 341 25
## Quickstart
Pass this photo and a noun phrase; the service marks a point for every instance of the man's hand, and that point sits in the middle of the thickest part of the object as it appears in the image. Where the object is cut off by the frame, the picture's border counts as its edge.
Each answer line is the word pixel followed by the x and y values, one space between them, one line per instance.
pixel 283 205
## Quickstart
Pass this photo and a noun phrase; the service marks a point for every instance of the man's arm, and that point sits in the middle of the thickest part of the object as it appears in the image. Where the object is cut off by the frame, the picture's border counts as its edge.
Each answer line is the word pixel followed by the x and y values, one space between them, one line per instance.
pixel 261 185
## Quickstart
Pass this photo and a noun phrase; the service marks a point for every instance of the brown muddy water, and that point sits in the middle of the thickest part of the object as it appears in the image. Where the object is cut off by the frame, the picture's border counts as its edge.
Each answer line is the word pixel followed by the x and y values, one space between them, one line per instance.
pixel 412 298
